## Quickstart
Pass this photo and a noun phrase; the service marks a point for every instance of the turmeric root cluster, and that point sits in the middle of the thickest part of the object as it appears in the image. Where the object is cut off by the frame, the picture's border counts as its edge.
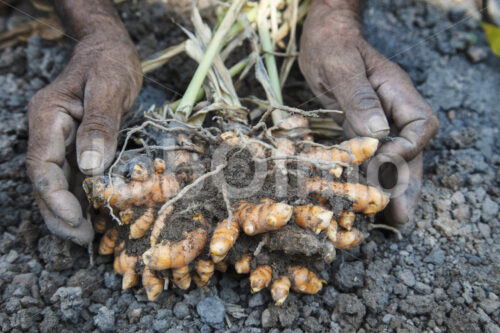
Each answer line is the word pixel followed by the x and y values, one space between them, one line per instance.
pixel 263 236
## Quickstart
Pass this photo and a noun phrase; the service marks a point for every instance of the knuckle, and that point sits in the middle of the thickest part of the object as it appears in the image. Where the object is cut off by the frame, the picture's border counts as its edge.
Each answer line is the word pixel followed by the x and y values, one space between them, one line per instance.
pixel 31 161
pixel 99 122
pixel 35 105
pixel 365 99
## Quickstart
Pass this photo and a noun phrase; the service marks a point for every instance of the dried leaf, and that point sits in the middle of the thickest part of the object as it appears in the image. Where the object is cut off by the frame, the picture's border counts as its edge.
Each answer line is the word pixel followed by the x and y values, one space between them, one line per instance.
pixel 48 28
pixel 42 5
pixel 493 34
pixel 263 78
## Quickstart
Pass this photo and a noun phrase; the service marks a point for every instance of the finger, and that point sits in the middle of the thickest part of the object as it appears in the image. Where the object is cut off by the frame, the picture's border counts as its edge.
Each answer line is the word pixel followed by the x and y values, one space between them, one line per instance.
pixel 349 85
pixel 411 114
pixel 51 130
pixel 400 209
pixel 110 91
pixel 82 234
pixel 97 134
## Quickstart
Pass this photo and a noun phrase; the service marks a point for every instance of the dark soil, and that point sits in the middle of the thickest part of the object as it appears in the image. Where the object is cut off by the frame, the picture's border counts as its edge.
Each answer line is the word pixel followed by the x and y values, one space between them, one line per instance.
pixel 443 275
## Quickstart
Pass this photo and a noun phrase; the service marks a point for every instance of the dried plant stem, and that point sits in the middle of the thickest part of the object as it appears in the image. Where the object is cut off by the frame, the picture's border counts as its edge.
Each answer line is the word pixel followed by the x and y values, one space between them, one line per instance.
pixel 292 46
pixel 225 196
pixel 386 227
pixel 187 102
pixel 271 67
pixel 162 57
pixel 285 27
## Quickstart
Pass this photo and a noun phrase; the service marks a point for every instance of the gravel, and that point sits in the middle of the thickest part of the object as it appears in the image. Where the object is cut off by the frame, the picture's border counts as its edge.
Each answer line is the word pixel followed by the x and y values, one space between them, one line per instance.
pixel 442 276
pixel 407 278
pixel 105 319
pixel 211 311
pixel 349 276
pixel 181 310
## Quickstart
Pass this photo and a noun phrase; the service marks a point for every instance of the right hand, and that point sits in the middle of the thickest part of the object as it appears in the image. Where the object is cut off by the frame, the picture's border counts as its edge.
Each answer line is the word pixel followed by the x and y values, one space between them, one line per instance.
pixel 377 96
pixel 80 112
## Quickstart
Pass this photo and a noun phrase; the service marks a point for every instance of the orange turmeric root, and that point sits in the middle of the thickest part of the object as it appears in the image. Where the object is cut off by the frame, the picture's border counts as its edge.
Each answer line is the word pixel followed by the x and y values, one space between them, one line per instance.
pixel 130 279
pixel 285 147
pixel 223 239
pixel 159 224
pixel 181 277
pixel 108 242
pixel 260 278
pixel 180 157
pixel 346 219
pixel 204 271
pixel 242 265
pixel 178 254
pixel 158 188
pixel 354 151
pixel 139 173
pixel 295 122
pixel 126 215
pixel 232 139
pixel 347 240
pixel 125 265
pixel 152 284
pixel 304 281
pixel 280 289
pixel 312 217
pixel 367 199
pixel 331 231
pixel 119 248
pixel 265 216
pixel 140 226
pixel 222 266
pixel 159 165
pixel 100 224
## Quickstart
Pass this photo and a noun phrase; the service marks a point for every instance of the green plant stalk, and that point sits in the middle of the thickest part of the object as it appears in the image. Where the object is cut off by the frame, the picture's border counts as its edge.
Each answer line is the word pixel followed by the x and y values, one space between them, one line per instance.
pixel 239 25
pixel 187 102
pixel 233 71
pixel 270 61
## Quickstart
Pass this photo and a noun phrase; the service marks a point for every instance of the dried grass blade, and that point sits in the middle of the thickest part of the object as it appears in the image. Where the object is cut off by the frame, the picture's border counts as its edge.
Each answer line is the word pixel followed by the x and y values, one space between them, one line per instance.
pixel 162 57
pixel 291 48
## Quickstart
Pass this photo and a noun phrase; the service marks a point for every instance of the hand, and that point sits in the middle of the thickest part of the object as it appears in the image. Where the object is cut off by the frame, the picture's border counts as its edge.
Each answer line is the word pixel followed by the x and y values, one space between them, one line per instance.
pixel 376 95
pixel 81 108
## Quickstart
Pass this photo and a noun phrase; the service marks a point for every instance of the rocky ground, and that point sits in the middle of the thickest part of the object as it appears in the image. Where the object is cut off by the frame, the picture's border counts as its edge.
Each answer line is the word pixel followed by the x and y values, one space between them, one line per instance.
pixel 443 276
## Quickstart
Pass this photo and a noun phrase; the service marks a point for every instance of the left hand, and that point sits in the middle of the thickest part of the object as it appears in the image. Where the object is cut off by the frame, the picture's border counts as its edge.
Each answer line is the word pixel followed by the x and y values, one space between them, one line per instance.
pixel 376 95
pixel 80 111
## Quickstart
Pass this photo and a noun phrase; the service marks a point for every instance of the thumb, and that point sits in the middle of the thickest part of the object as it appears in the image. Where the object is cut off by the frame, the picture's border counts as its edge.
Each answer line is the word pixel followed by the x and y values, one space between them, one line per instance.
pixel 97 135
pixel 360 103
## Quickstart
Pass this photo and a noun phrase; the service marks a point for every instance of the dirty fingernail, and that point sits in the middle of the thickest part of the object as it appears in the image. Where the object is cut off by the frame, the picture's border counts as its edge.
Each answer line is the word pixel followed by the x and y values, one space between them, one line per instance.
pixel 90 160
pixel 378 126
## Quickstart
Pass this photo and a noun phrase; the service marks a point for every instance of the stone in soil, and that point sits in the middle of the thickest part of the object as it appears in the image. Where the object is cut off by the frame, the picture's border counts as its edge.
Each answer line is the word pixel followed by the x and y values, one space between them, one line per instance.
pixel 181 310
pixel 212 311
pixel 105 319
pixel 350 275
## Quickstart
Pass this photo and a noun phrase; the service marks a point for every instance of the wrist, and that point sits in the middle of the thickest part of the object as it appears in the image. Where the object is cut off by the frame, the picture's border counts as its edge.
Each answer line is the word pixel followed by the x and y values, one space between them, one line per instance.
pixel 90 17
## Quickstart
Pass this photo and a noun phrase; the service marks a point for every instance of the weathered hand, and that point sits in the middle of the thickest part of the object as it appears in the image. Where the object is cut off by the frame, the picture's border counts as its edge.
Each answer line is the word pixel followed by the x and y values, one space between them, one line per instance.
pixel 376 95
pixel 81 108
